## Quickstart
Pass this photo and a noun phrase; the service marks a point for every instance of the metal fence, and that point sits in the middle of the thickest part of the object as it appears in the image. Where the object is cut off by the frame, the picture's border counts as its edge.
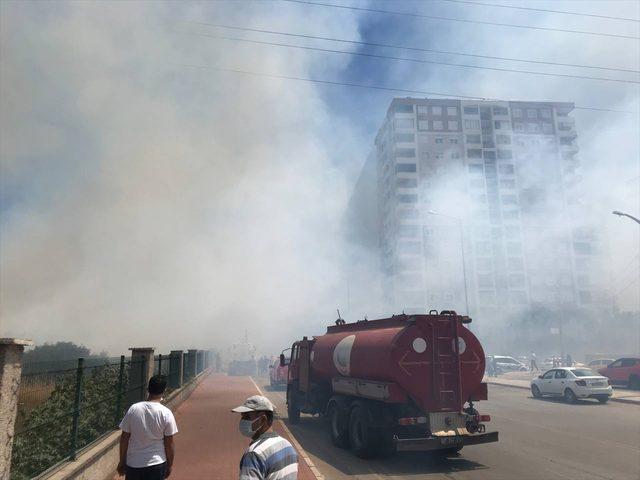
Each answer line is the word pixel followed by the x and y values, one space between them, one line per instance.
pixel 62 411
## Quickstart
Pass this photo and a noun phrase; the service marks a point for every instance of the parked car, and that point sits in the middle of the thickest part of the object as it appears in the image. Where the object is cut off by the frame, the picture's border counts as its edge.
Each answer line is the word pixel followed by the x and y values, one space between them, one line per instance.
pixel 278 374
pixel 572 383
pixel 509 364
pixel 624 371
pixel 599 363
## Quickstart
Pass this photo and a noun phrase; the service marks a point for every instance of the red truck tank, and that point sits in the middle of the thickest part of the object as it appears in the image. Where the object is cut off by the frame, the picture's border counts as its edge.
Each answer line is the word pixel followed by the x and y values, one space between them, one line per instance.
pixel 403 381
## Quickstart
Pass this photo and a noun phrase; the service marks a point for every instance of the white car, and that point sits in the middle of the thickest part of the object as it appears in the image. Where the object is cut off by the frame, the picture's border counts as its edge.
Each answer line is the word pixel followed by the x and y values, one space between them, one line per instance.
pixel 572 383
pixel 600 363
pixel 509 364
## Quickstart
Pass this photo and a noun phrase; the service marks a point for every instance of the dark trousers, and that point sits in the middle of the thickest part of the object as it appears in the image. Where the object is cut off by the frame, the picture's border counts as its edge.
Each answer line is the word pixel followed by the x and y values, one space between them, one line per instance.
pixel 154 472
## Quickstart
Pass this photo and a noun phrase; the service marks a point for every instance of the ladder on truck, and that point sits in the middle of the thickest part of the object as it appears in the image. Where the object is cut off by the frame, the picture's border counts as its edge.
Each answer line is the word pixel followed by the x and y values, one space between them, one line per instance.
pixel 447 384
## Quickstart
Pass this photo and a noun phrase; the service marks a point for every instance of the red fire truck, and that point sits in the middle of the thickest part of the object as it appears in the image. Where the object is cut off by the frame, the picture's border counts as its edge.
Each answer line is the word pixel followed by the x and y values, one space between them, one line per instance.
pixel 404 383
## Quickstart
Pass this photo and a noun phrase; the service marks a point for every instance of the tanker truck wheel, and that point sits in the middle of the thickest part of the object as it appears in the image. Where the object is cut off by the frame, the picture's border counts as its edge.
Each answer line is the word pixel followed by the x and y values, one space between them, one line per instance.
pixel 339 426
pixel 361 436
pixel 293 412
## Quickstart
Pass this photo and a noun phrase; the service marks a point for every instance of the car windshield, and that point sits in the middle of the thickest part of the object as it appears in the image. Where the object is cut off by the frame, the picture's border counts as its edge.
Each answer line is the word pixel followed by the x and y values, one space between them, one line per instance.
pixel 584 372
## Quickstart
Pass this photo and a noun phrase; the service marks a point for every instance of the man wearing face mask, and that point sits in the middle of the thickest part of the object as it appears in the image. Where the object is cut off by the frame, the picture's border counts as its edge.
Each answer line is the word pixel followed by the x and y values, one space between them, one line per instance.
pixel 268 456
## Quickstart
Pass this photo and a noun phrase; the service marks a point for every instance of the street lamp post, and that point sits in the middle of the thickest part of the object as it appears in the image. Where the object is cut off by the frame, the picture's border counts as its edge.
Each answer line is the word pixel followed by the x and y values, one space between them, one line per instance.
pixel 464 267
pixel 622 214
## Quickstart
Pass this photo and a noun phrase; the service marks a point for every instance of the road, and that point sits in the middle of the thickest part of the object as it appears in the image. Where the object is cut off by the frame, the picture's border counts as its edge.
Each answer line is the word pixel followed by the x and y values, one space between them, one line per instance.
pixel 539 439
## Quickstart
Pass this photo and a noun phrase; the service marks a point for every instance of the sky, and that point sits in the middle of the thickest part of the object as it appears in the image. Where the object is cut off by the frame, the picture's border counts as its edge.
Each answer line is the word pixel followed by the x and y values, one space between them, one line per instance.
pixel 148 198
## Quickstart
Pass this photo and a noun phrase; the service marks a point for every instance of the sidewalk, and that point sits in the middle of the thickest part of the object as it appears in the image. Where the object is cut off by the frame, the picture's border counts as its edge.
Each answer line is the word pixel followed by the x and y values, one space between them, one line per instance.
pixel 507 380
pixel 208 444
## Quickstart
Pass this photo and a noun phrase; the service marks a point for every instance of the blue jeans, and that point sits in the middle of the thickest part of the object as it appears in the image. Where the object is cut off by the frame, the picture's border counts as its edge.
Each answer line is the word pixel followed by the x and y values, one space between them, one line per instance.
pixel 154 472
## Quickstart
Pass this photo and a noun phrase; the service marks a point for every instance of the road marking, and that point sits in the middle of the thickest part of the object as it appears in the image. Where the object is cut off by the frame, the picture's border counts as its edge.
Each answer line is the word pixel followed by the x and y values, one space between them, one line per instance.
pixel 303 453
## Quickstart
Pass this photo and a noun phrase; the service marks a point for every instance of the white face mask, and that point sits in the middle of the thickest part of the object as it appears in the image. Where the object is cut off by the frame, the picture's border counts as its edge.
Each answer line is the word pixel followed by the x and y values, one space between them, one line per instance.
pixel 246 427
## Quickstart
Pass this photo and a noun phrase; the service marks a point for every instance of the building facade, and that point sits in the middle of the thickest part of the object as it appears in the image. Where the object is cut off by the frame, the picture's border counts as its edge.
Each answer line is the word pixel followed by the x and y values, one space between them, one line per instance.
pixel 477 207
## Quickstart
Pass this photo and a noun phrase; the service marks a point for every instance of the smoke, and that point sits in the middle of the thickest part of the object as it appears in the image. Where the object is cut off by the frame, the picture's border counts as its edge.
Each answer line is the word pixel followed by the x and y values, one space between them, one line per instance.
pixel 145 201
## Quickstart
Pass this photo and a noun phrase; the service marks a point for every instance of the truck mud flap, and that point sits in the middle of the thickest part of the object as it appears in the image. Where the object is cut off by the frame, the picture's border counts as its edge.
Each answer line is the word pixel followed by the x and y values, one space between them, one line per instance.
pixel 439 443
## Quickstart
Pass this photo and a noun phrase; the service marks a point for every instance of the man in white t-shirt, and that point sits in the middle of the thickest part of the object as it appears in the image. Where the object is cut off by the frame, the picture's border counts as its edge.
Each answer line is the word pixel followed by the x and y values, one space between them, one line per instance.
pixel 146 443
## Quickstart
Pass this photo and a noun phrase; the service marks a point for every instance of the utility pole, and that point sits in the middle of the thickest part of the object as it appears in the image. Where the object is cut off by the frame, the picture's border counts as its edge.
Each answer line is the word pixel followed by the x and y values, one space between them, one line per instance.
pixel 464 264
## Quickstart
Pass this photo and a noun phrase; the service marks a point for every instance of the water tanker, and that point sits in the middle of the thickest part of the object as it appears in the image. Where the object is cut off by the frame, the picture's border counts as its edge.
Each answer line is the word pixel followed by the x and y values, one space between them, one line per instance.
pixel 408 382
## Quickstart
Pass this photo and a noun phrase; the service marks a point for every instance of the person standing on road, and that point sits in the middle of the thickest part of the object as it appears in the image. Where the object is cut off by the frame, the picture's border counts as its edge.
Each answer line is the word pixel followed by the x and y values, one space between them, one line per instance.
pixel 534 363
pixel 268 456
pixel 146 443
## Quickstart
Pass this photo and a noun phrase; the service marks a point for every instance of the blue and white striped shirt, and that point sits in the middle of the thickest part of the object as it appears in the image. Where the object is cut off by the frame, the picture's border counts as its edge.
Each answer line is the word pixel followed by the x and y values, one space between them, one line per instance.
pixel 270 457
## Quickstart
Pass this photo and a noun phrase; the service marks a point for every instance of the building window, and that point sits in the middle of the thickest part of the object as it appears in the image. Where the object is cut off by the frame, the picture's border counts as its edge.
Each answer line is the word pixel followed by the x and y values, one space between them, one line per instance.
pixel 477 183
pixel 404 137
pixel 517 298
pixel 515 264
pixel 487 297
pixel 531 113
pixel 409 248
pixel 404 108
pixel 509 200
pixel 500 111
pixel 437 125
pixel 474 138
pixel 507 183
pixel 405 152
pixel 423 125
pixel 471 110
pixel 566 141
pixel 405 167
pixel 532 127
pixel 518 127
pixel 517 112
pixel 425 155
pixel 547 127
pixel 484 264
pixel 507 169
pixel 483 248
pixel 403 122
pixel 585 296
pixel 489 155
pixel 485 280
pixel 475 168
pixel 439 140
pixel 472 124
pixel 409 231
pixel 487 141
pixel 453 141
pixel 406 182
pixel 452 125
pixel 514 248
pixel 436 110
pixel 408 198
pixel 511 215
pixel 474 153
pixel 422 109
pixel 503 139
pixel 582 248
pixel 455 155
pixel 439 155
pixel 452 111
pixel 505 154
pixel 546 113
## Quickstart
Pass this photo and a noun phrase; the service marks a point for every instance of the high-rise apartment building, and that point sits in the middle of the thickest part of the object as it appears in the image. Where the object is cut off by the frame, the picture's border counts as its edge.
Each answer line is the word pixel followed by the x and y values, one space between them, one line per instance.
pixel 477 206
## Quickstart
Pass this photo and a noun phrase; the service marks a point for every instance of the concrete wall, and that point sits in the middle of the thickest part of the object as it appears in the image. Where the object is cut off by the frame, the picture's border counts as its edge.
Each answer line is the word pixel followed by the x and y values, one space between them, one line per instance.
pixel 100 459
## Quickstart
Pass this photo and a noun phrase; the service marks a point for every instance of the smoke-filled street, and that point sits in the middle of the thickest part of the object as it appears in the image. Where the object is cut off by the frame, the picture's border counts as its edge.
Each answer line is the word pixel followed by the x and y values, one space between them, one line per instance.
pixel 539 439
pixel 396 211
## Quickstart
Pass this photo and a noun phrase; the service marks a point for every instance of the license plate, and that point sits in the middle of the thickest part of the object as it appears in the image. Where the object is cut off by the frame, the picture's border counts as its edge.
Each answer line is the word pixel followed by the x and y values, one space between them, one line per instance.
pixel 449 441
pixel 598 384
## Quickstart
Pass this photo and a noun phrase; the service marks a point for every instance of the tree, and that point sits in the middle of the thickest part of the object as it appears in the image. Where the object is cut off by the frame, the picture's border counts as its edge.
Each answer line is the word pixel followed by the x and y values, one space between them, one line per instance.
pixel 53 352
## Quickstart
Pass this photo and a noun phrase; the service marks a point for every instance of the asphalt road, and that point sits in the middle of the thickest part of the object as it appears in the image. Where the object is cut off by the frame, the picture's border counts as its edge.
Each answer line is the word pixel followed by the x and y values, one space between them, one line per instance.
pixel 539 439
